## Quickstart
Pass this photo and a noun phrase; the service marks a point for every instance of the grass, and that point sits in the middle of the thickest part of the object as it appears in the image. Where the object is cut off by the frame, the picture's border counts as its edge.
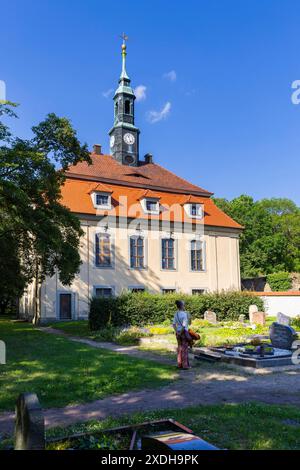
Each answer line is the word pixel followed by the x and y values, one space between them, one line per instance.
pixel 62 372
pixel 250 426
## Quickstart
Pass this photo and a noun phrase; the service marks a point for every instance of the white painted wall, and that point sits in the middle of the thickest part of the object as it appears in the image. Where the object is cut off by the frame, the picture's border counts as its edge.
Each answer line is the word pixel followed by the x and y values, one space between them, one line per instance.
pixel 222 268
pixel 287 304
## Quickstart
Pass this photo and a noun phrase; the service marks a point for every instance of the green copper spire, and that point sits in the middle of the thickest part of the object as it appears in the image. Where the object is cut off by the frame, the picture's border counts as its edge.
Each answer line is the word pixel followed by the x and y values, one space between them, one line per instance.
pixel 124 80
pixel 124 77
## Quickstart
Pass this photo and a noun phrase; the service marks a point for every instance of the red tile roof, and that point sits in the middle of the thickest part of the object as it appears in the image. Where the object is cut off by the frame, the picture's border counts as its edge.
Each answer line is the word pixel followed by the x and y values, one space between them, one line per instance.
pixel 148 175
pixel 148 179
pixel 76 194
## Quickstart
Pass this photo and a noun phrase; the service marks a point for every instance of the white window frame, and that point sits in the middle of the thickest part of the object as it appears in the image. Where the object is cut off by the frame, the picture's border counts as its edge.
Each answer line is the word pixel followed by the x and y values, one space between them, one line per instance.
pixel 175 253
pixel 173 288
pixel 203 243
pixel 112 250
pixel 204 289
pixel 112 288
pixel 188 210
pixel 134 235
pixel 101 206
pixel 138 287
pixel 150 199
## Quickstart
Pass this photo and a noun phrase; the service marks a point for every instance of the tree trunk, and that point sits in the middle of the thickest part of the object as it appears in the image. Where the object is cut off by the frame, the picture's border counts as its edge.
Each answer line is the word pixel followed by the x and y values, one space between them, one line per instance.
pixel 37 314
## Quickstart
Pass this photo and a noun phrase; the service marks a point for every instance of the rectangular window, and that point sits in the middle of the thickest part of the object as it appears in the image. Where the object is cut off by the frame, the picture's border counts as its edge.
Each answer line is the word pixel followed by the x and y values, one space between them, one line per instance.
pixel 103 250
pixel 168 253
pixel 198 291
pixel 168 291
pixel 137 252
pixel 137 289
pixel 194 209
pixel 103 200
pixel 106 292
pixel 151 206
pixel 197 256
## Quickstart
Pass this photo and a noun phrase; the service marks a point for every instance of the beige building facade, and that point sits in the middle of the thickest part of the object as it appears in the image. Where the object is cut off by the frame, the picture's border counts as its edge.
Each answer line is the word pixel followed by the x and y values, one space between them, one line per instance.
pixel 145 228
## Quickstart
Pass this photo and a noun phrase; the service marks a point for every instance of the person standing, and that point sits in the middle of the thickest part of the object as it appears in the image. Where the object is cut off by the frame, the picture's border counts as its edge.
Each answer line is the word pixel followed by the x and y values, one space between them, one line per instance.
pixel 180 324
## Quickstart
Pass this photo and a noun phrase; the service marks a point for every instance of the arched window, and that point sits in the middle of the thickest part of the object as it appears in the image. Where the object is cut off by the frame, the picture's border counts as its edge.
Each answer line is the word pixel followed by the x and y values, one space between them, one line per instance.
pixel 197 255
pixel 103 250
pixel 127 107
pixel 116 110
pixel 168 253
pixel 137 252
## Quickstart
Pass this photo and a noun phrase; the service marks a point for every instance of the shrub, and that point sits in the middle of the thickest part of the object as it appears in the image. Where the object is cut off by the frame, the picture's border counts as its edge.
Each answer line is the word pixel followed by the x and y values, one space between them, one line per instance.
pixel 280 281
pixel 141 309
pixel 108 333
pixel 131 335
pixel 295 322
pixel 161 329
pixel 101 312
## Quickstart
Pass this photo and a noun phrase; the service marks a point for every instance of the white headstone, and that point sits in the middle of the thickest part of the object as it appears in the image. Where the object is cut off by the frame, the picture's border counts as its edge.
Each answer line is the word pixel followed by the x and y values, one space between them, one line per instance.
pixel 253 309
pixel 210 316
pixel 283 319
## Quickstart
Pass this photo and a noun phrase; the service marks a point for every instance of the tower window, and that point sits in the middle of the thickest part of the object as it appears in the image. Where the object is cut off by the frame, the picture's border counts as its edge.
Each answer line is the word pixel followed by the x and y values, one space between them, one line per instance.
pixel 129 159
pixel 127 107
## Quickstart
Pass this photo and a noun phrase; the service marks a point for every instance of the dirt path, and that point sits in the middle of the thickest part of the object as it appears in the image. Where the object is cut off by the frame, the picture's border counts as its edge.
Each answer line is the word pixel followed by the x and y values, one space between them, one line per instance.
pixel 204 384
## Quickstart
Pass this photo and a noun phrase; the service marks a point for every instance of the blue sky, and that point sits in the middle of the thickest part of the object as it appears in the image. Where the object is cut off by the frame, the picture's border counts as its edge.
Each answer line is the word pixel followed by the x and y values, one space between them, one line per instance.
pixel 219 70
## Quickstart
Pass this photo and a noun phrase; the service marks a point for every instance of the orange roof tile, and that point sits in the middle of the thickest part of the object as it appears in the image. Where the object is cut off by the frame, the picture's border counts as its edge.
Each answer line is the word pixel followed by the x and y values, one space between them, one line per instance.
pixel 125 201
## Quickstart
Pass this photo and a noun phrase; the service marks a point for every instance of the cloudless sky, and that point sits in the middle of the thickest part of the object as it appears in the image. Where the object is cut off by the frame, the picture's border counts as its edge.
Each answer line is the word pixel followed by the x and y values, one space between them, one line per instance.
pixel 231 126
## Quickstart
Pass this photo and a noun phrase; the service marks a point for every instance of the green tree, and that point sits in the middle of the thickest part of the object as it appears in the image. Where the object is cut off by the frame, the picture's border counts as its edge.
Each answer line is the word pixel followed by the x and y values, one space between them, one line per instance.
pixel 271 236
pixel 38 235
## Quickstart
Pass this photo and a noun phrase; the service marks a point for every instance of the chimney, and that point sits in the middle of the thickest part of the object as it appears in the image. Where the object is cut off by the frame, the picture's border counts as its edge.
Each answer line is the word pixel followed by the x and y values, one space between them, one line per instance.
pixel 97 149
pixel 148 158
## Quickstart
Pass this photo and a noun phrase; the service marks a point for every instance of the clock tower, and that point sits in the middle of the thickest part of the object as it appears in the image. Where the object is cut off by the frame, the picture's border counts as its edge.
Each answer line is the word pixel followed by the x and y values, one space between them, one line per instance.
pixel 124 136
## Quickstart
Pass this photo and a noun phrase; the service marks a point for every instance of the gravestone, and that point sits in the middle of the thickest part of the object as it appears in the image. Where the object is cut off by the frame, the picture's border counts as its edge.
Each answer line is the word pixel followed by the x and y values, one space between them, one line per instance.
pixel 210 316
pixel 30 427
pixel 283 319
pixel 2 352
pixel 242 318
pixel 253 309
pixel 175 441
pixel 257 318
pixel 282 336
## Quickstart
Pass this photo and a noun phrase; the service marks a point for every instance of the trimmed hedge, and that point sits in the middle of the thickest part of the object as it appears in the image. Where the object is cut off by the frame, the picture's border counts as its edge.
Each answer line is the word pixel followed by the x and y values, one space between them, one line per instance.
pixel 280 281
pixel 143 308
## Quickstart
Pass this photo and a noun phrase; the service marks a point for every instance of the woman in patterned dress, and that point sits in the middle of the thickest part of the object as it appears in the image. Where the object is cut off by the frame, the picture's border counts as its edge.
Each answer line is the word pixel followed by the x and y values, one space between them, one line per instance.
pixel 181 325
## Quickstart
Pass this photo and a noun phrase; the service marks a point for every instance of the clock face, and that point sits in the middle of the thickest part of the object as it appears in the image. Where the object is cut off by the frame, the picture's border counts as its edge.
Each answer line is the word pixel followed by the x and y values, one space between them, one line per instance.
pixel 112 141
pixel 129 139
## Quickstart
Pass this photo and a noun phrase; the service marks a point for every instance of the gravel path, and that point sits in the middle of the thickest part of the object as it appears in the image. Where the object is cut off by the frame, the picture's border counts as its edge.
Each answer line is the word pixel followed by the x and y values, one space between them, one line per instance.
pixel 204 384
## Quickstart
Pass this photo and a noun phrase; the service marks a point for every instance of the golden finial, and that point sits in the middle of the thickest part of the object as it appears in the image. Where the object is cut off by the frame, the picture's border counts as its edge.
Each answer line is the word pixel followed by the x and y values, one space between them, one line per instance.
pixel 124 53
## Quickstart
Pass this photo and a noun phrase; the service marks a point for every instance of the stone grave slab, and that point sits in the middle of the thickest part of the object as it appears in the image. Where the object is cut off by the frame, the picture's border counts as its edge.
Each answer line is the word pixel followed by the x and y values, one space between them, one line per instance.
pixel 257 318
pixel 283 319
pixel 29 427
pixel 210 316
pixel 282 336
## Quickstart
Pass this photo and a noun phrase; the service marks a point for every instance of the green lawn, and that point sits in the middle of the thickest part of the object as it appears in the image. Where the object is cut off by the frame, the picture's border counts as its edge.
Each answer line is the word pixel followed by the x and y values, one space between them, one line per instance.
pixel 62 372
pixel 248 426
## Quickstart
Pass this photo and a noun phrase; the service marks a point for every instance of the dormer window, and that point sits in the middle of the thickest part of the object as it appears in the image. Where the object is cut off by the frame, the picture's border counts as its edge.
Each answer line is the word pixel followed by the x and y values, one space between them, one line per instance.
pixel 102 200
pixel 194 210
pixel 150 205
